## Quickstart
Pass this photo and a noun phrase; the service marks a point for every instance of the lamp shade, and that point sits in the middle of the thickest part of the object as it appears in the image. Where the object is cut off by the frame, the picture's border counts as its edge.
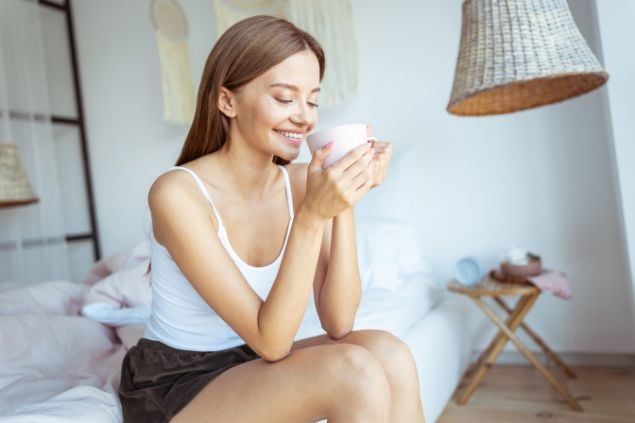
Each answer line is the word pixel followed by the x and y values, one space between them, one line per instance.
pixel 519 54
pixel 15 189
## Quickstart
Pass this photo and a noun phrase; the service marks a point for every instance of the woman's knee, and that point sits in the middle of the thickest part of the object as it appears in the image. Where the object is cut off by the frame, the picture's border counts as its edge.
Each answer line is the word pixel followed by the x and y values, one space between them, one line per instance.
pixel 361 373
pixel 394 355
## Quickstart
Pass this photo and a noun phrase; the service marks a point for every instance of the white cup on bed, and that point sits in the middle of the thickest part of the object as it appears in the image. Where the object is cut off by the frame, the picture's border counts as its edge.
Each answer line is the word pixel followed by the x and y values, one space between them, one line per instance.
pixel 344 137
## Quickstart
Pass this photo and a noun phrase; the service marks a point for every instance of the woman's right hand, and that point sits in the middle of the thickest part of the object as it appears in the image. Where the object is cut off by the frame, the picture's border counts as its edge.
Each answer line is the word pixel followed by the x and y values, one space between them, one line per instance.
pixel 332 190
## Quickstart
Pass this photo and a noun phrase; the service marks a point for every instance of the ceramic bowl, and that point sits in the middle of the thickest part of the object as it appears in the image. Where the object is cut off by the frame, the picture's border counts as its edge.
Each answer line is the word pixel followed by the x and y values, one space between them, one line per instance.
pixel 533 268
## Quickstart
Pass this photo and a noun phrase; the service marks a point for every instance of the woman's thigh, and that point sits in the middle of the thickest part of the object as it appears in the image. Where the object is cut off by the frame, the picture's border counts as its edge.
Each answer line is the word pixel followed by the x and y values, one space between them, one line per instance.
pixel 305 386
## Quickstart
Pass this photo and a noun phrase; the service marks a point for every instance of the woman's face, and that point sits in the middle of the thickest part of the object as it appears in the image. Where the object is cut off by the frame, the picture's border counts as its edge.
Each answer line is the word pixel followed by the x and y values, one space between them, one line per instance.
pixel 277 110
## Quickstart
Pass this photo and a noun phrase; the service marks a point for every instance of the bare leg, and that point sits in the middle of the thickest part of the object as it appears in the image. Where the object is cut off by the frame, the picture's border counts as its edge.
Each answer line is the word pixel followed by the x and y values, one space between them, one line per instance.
pixel 398 363
pixel 343 383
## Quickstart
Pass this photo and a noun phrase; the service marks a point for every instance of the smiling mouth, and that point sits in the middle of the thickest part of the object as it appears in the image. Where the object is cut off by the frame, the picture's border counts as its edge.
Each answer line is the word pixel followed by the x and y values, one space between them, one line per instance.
pixel 295 138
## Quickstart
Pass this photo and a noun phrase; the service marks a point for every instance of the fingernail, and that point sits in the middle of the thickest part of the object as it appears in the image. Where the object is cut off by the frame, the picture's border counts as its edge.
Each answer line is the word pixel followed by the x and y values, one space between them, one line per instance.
pixel 329 144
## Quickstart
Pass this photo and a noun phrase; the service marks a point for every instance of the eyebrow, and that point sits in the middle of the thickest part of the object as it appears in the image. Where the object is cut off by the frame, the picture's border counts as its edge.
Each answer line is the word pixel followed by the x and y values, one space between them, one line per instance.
pixel 292 87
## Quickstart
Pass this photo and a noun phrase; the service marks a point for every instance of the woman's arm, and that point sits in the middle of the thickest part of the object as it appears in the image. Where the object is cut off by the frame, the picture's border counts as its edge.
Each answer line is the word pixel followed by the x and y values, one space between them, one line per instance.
pixel 337 282
pixel 339 293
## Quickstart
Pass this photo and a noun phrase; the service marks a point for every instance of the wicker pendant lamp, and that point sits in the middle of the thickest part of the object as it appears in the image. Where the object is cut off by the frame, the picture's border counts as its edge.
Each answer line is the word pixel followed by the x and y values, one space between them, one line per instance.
pixel 519 54
pixel 15 189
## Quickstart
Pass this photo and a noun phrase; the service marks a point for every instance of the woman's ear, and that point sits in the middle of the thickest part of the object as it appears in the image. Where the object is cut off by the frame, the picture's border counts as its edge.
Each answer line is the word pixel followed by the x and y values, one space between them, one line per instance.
pixel 226 102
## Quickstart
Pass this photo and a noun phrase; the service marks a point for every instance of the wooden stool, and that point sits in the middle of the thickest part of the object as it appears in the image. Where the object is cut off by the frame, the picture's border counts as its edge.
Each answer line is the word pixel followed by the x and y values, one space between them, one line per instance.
pixel 490 287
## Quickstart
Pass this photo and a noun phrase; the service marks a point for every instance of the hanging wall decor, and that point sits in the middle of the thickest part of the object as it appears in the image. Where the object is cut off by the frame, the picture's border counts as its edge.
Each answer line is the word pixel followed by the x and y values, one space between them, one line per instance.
pixel 228 12
pixel 519 54
pixel 329 21
pixel 171 28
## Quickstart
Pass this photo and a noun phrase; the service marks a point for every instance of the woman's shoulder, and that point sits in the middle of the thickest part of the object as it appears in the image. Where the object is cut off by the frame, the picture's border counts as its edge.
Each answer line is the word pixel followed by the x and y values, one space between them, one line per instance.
pixel 169 180
pixel 174 178
pixel 170 186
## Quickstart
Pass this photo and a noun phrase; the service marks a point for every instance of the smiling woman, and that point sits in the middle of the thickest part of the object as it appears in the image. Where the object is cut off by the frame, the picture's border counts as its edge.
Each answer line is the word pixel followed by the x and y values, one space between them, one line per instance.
pixel 247 50
pixel 247 249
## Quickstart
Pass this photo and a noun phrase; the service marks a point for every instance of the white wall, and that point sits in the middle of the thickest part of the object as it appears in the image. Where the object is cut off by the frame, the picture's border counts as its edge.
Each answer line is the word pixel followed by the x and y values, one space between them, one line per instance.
pixel 616 20
pixel 540 178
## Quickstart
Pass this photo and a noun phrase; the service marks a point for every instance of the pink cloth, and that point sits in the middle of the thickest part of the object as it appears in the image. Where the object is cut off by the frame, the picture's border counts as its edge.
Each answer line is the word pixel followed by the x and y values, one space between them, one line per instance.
pixel 121 279
pixel 138 253
pixel 554 282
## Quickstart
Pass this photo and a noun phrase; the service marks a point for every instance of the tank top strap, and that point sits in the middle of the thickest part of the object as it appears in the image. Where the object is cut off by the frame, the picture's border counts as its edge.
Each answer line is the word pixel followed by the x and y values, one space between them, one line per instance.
pixel 287 185
pixel 221 227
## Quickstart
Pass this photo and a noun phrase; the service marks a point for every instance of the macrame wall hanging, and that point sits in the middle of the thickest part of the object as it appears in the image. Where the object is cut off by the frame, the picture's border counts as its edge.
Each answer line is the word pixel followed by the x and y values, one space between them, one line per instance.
pixel 329 21
pixel 228 12
pixel 171 28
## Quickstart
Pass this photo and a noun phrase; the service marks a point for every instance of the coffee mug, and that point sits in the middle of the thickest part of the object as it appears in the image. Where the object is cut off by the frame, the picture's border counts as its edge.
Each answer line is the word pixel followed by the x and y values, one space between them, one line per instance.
pixel 344 137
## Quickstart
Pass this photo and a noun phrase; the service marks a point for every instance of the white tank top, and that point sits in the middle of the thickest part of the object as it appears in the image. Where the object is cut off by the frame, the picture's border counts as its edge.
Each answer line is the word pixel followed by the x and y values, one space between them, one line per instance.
pixel 181 318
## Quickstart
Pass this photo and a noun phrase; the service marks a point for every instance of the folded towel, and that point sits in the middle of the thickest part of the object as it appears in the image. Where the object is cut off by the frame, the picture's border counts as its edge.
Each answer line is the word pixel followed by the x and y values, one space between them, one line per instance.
pixel 554 282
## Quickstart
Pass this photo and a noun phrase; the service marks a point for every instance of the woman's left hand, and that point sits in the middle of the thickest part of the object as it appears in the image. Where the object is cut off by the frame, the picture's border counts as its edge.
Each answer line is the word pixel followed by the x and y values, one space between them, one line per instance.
pixel 383 153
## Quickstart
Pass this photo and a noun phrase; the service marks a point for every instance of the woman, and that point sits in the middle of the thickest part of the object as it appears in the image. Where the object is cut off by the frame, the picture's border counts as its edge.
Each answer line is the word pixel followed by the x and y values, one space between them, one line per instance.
pixel 213 349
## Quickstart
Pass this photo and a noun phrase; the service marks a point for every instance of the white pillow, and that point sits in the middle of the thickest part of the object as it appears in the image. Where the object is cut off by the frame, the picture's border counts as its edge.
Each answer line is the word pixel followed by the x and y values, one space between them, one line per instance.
pixel 392 199
pixel 396 311
pixel 388 250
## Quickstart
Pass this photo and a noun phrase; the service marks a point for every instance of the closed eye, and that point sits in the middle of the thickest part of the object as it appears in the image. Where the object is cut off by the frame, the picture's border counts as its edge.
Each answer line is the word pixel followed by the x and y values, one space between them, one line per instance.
pixel 286 101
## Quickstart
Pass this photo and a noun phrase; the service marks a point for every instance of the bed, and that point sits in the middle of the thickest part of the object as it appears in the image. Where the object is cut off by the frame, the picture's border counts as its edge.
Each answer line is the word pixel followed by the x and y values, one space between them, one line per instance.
pixel 57 364
pixel 62 343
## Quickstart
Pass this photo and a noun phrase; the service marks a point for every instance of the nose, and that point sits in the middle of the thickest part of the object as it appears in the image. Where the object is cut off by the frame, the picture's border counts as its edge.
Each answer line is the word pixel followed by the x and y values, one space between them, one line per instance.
pixel 303 115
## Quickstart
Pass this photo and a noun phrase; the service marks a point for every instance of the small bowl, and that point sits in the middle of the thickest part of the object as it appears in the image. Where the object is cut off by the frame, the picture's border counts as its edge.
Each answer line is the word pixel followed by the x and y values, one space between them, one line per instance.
pixel 533 268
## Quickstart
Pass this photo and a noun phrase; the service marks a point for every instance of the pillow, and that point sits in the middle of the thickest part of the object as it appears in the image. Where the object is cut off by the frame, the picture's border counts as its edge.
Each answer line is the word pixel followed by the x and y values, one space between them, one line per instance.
pixel 120 260
pixel 128 287
pixel 396 311
pixel 50 297
pixel 391 200
pixel 122 299
pixel 388 250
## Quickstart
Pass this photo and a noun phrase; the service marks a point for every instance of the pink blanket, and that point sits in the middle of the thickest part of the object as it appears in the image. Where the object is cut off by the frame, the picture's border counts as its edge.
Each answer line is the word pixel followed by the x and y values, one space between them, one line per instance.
pixel 57 365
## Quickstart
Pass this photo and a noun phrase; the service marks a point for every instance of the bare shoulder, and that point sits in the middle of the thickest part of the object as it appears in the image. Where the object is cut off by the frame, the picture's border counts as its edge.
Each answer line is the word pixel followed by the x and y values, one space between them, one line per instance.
pixel 168 185
pixel 174 195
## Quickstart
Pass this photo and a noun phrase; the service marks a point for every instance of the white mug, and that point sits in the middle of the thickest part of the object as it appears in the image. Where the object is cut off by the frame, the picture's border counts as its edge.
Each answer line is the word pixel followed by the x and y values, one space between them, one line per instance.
pixel 345 138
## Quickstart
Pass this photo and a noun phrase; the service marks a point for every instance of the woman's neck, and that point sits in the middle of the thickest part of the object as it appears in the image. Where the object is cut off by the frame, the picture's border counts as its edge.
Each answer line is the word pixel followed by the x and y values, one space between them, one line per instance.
pixel 250 175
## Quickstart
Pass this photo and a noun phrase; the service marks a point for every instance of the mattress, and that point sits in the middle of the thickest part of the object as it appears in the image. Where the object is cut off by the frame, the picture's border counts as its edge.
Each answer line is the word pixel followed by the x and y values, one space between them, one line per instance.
pixel 442 348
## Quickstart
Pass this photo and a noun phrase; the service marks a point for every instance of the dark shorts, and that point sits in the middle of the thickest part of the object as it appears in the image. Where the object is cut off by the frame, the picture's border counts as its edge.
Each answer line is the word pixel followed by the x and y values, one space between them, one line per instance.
pixel 157 381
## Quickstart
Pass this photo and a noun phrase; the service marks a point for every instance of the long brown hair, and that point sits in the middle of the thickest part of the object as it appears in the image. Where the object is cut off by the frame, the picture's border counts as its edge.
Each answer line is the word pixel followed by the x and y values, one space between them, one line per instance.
pixel 245 51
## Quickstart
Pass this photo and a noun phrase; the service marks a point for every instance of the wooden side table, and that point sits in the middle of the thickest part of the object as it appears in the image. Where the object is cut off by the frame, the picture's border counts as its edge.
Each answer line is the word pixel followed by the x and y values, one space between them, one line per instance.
pixel 489 287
